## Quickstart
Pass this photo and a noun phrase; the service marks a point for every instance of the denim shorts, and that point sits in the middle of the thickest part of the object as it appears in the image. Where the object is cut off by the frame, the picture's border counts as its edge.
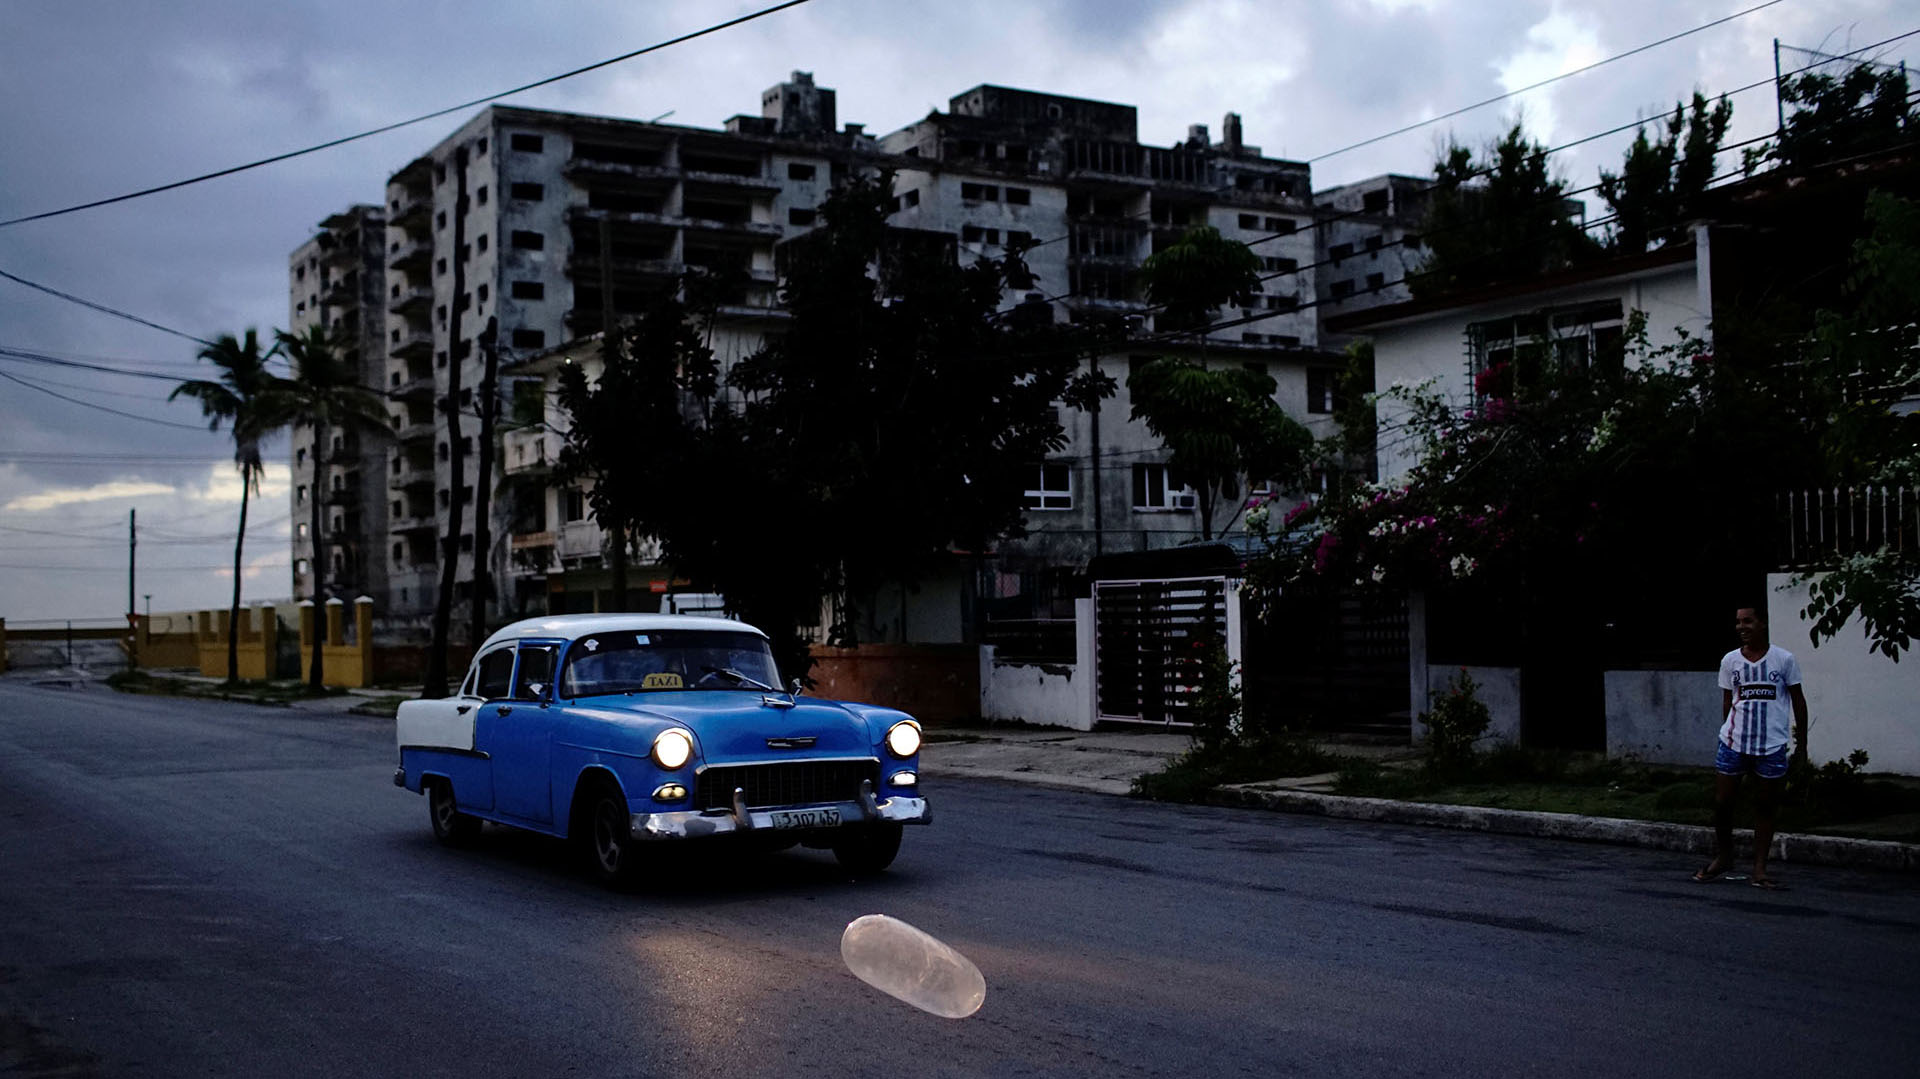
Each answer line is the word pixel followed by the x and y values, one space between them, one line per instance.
pixel 1730 762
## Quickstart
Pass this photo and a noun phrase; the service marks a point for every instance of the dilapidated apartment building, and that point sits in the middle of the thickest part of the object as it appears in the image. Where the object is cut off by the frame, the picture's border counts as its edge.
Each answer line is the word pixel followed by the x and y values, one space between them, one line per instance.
pixel 571 221
pixel 337 280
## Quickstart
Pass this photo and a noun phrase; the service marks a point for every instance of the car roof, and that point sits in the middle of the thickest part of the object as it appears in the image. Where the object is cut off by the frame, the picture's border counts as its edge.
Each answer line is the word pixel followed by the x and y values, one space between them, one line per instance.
pixel 579 625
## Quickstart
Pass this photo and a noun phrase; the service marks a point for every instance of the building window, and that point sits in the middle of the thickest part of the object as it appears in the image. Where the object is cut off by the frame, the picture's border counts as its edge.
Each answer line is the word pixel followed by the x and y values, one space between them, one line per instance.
pixel 529 290
pixel 1018 239
pixel 529 241
pixel 980 192
pixel 440 270
pixel 799 171
pixel 527 144
pixel 911 198
pixel 300 496
pixel 529 339
pixel 1249 221
pixel 300 456
pixel 480 196
pixel 1284 226
pixel 1511 355
pixel 1155 490
pixel 481 242
pixel 299 567
pixel 528 192
pixel 440 220
pixel 481 292
pixel 576 505
pixel 1340 251
pixel 974 234
pixel 1342 289
pixel 480 147
pixel 1321 398
pixel 1411 241
pixel 1374 202
pixel 1019 196
pixel 801 215
pixel 1373 245
pixel 1280 264
pixel 1376 282
pixel 300 531
pixel 1051 488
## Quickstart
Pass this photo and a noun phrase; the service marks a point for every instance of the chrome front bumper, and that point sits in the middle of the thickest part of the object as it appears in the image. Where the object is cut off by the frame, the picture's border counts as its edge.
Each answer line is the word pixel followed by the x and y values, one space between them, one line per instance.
pixel 696 824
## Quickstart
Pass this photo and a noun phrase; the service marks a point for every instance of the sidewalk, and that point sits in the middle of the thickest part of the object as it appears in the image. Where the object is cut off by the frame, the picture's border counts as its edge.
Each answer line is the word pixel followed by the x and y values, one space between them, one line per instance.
pixel 1106 762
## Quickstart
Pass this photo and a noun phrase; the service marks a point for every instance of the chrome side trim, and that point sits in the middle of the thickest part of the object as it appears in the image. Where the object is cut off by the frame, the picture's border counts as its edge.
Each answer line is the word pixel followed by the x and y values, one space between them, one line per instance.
pixel 478 754
pixel 781 760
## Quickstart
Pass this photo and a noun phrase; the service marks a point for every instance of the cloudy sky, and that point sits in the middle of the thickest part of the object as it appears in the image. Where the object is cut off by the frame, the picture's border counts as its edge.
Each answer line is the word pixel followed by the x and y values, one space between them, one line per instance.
pixel 108 97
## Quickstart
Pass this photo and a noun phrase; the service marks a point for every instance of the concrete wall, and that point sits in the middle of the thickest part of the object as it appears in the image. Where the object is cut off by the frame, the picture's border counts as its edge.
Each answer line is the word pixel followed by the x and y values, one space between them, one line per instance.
pixel 1856 699
pixel 933 683
pixel 1663 717
pixel 1051 694
pixel 1498 689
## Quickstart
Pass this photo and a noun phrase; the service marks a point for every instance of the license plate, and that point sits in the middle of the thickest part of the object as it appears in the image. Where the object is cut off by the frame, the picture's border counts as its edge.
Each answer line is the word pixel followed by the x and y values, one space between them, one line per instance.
pixel 805 818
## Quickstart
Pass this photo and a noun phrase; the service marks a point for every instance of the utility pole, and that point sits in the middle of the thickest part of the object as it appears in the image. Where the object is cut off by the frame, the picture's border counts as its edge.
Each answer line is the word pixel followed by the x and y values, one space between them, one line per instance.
pixel 133 542
pixel 616 530
pixel 435 682
pixel 483 481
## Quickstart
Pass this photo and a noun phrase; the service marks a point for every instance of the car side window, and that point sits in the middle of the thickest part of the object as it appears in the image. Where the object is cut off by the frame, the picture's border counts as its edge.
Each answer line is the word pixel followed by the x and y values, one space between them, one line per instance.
pixel 466 688
pixel 534 676
pixel 496 674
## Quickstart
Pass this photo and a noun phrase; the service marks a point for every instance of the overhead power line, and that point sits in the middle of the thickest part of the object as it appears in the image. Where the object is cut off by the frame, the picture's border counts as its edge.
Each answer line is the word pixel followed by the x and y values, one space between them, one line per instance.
pixel 383 129
pixel 1545 82
pixel 103 308
pixel 102 408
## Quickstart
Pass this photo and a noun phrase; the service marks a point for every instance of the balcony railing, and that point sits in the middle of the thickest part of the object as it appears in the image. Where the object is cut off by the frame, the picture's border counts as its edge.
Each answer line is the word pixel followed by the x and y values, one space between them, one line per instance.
pixel 409 298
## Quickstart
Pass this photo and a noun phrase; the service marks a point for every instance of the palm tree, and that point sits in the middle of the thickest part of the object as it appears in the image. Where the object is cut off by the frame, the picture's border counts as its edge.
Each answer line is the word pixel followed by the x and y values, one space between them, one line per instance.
pixel 252 401
pixel 325 392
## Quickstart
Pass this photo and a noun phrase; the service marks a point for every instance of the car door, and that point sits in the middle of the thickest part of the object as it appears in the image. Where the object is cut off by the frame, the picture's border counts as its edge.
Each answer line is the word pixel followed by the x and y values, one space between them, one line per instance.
pixel 516 730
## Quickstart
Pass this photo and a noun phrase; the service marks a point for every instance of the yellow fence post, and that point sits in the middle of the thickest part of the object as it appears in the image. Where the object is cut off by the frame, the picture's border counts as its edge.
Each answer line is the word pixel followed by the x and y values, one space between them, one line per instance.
pixel 269 641
pixel 363 636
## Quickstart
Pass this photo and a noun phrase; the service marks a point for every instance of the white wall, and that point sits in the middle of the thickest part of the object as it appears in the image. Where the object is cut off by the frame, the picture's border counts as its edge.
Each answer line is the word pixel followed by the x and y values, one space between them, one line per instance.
pixel 1053 694
pixel 1497 687
pixel 1856 698
pixel 1432 348
pixel 1663 717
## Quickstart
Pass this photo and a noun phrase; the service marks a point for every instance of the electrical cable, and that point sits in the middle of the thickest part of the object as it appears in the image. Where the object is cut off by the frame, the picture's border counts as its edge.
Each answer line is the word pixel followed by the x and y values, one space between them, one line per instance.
pixel 103 408
pixel 1543 82
pixel 103 308
pixel 383 129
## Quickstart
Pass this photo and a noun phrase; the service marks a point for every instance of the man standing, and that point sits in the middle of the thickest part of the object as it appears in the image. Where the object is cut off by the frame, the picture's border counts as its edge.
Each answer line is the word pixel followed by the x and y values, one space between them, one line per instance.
pixel 1757 682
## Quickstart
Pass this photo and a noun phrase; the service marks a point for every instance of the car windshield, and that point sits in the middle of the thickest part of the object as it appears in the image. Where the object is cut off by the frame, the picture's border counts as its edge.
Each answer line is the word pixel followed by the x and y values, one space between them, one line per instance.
pixel 645 661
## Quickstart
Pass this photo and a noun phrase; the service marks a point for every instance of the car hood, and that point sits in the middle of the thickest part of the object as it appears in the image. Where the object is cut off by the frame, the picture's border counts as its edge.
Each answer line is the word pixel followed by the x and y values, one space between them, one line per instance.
pixel 734 726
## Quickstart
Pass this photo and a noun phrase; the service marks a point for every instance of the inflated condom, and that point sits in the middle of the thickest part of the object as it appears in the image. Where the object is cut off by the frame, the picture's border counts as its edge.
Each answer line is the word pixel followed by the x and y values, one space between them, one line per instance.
pixel 908 964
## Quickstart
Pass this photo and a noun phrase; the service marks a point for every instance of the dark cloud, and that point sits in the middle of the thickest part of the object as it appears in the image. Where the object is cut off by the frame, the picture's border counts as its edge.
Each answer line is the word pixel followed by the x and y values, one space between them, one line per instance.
pixel 107 96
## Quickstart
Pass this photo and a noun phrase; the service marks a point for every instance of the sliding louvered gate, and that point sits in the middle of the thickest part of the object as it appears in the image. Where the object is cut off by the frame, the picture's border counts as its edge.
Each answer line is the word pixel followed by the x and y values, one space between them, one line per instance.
pixel 1149 637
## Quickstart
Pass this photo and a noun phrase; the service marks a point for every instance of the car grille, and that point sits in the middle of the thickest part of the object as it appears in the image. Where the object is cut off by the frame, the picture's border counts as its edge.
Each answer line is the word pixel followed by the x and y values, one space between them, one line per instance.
pixel 796 783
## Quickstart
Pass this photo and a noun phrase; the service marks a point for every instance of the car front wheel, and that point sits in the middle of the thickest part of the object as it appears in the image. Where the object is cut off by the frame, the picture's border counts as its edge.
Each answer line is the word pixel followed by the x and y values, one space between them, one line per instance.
pixel 612 853
pixel 868 849
pixel 450 826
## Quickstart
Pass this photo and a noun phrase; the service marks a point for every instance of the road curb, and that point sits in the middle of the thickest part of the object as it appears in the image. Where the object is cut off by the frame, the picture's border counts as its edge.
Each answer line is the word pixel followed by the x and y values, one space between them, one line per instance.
pixel 1653 835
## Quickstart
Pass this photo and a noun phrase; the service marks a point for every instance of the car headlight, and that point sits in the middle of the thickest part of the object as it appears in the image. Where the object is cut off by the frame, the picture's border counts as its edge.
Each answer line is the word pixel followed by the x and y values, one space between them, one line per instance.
pixel 903 739
pixel 673 748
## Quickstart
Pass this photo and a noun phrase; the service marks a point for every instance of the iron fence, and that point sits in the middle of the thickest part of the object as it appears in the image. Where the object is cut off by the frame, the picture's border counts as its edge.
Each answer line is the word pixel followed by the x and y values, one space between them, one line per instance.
pixel 1822 524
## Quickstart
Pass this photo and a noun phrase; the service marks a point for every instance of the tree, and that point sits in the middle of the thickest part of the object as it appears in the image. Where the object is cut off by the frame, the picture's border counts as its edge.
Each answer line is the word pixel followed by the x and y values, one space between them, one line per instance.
pixel 324 392
pixel 252 401
pixel 1197 275
pixel 1873 355
pixel 1827 117
pixel 1223 427
pixel 1503 217
pixel 894 421
pixel 1660 181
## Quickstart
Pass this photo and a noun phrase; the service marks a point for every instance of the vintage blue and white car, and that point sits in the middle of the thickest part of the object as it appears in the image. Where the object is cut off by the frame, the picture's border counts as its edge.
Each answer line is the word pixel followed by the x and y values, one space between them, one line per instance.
pixel 621 730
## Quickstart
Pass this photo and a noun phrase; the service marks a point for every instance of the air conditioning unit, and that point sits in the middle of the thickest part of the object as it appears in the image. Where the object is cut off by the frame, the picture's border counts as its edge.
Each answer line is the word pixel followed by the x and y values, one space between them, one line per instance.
pixel 1185 501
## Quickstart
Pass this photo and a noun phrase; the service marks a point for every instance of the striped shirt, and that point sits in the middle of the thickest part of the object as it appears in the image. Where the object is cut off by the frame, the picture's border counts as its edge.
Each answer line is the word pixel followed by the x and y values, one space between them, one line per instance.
pixel 1761 719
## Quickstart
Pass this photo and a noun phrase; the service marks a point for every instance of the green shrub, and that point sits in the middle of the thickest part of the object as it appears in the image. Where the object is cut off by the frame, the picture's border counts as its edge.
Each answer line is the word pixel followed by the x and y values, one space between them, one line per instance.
pixel 1456 721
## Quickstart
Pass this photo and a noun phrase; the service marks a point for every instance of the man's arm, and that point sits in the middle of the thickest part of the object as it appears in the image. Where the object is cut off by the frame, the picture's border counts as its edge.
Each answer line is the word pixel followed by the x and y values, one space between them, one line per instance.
pixel 1726 703
pixel 1799 721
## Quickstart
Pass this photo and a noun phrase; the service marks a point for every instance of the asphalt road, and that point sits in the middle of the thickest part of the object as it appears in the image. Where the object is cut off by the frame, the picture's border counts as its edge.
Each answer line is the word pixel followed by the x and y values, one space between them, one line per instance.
pixel 209 889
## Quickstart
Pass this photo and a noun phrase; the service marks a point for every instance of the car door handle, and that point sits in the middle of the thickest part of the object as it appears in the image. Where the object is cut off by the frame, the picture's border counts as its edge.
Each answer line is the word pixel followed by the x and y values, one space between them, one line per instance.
pixel 502 710
pixel 464 709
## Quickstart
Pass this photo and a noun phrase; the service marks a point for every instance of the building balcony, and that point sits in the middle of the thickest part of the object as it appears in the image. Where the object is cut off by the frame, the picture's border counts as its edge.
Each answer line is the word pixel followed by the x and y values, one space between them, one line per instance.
pixel 410 255
pixel 525 540
pixel 729 181
pixel 342 292
pixel 412 523
pixel 413 345
pixel 418 388
pixel 410 299
pixel 344 496
pixel 411 478
pixel 580 539
pixel 414 433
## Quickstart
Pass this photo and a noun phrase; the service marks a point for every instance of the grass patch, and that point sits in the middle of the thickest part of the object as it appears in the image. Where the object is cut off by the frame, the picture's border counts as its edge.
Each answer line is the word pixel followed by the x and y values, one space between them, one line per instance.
pixel 385 707
pixel 1588 785
pixel 270 693
pixel 1188 777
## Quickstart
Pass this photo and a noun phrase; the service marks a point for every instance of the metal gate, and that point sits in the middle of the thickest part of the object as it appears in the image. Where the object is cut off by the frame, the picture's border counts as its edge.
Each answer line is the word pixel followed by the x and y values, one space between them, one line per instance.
pixel 1148 636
